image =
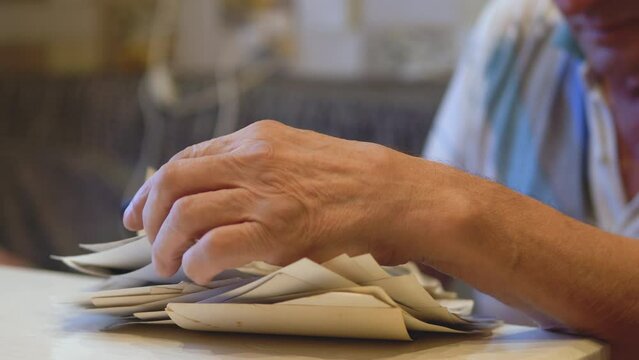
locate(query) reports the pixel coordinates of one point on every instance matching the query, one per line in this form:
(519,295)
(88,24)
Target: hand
(274,193)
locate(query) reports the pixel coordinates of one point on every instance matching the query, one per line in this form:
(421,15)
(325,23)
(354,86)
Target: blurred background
(94,91)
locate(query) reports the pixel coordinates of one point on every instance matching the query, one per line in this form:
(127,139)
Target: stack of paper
(351,297)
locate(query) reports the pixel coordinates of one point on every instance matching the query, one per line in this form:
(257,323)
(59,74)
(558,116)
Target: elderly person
(544,108)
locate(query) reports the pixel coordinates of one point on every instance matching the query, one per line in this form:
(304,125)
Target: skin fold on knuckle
(182,214)
(160,263)
(265,126)
(209,147)
(167,177)
(291,210)
(277,232)
(255,153)
(176,229)
(189,152)
(281,204)
(166,183)
(191,268)
(258,241)
(200,262)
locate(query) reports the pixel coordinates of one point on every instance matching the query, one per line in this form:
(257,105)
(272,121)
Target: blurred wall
(401,39)
(406,39)
(73,36)
(70,143)
(51,35)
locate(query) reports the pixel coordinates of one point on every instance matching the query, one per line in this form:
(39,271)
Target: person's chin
(616,36)
(615,56)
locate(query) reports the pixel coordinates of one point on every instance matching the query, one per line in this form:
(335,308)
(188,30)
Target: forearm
(534,258)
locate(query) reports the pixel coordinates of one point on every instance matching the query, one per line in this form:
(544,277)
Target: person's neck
(623,98)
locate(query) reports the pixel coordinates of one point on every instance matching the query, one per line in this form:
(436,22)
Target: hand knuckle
(191,151)
(257,239)
(159,258)
(183,208)
(190,268)
(283,215)
(194,273)
(215,243)
(262,150)
(267,124)
(240,200)
(277,181)
(256,154)
(167,175)
(264,128)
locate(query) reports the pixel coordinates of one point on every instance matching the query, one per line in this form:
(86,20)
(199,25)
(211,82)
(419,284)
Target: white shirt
(522,110)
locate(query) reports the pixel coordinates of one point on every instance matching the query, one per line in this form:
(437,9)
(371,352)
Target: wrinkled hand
(273,193)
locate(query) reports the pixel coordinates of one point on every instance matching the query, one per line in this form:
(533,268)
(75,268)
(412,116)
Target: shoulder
(509,53)
(510,17)
(528,116)
(514,22)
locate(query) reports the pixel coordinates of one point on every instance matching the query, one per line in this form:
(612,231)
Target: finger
(181,178)
(190,218)
(132,218)
(217,146)
(134,214)
(223,248)
(228,143)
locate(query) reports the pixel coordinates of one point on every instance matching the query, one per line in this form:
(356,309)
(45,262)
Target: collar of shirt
(613,210)
(564,39)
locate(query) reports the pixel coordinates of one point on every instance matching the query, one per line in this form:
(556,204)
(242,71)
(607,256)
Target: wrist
(441,214)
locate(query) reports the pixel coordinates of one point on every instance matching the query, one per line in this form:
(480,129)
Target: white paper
(345,297)
(333,321)
(109,245)
(151,315)
(130,256)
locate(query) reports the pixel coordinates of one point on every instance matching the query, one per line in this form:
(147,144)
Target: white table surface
(33,327)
